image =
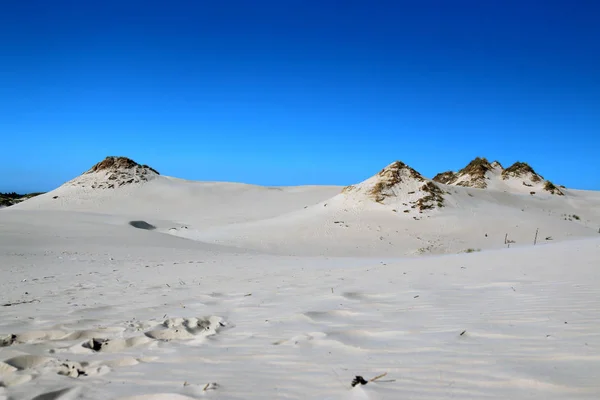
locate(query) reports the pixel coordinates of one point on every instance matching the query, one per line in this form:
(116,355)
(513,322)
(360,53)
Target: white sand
(244,292)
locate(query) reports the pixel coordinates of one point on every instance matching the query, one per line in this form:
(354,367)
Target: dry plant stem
(378,377)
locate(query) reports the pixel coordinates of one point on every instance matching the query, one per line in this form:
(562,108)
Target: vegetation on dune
(12,198)
(471,250)
(433,198)
(389,177)
(550,187)
(112,162)
(114,172)
(476,170)
(478,166)
(445,177)
(519,169)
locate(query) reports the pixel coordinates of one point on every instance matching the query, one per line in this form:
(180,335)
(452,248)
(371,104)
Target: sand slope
(206,203)
(95,318)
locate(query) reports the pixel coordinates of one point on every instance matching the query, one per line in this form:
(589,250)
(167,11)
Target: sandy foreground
(244,306)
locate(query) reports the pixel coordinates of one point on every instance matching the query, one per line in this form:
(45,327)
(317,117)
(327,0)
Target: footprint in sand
(188,328)
(170,329)
(54,335)
(75,369)
(69,368)
(27,361)
(115,345)
(14,380)
(25,367)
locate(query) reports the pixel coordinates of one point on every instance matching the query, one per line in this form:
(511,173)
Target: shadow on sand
(142,225)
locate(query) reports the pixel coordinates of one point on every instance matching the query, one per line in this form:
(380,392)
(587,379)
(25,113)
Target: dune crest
(481,174)
(398,184)
(114,172)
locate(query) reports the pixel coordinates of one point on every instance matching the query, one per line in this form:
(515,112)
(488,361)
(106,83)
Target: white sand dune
(170,289)
(201,203)
(517,178)
(471,219)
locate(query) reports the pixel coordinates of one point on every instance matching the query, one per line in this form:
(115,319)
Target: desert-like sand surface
(170,289)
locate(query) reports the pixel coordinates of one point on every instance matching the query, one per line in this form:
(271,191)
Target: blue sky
(298,92)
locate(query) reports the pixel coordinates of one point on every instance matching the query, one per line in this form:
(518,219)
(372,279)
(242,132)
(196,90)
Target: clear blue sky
(289,92)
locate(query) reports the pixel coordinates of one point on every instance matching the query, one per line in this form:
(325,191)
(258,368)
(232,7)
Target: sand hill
(522,172)
(400,186)
(476,174)
(481,174)
(114,172)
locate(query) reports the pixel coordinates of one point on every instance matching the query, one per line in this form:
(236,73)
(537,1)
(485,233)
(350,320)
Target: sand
(185,290)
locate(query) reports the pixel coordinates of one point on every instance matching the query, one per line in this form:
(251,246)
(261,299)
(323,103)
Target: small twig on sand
(20,302)
(360,380)
(378,377)
(210,386)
